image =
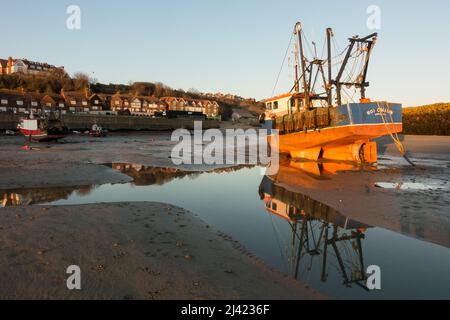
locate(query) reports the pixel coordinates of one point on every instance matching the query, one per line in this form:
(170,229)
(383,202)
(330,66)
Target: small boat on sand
(42,128)
(98,132)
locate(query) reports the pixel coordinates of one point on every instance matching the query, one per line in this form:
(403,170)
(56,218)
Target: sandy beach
(125,250)
(156,251)
(130,251)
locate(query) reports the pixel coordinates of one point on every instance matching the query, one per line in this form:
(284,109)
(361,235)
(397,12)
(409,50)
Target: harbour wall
(9,121)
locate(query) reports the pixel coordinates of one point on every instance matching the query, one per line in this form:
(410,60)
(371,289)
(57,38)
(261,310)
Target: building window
(61,105)
(4,101)
(34,104)
(73,102)
(84,103)
(275,105)
(269,106)
(20,102)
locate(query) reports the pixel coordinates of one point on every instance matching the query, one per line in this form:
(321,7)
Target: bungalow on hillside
(175,104)
(194,106)
(3,66)
(146,106)
(12,101)
(80,102)
(211,109)
(12,66)
(120,103)
(53,102)
(96,102)
(153,106)
(20,102)
(136,106)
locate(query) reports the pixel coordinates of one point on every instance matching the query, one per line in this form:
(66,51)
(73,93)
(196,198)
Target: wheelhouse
(284,104)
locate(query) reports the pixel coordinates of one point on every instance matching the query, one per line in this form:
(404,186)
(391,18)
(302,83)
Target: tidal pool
(301,237)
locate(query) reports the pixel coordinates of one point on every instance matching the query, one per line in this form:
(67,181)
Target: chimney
(10,65)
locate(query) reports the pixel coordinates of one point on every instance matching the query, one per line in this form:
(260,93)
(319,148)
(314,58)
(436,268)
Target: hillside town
(12,66)
(20,102)
(88,102)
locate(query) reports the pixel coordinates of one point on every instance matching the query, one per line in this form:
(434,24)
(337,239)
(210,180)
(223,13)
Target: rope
(282,65)
(394,135)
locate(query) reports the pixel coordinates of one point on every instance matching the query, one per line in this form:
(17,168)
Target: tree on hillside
(143,88)
(80,81)
(161,90)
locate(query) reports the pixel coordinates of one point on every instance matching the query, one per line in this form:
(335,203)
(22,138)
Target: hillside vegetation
(58,79)
(427,120)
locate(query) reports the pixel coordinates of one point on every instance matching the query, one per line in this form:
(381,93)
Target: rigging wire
(277,236)
(282,65)
(394,135)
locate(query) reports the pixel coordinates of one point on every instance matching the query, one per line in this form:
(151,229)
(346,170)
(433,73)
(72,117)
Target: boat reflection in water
(28,197)
(318,231)
(319,170)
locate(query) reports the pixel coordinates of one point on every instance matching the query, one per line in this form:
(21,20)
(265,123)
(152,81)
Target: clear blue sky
(230,46)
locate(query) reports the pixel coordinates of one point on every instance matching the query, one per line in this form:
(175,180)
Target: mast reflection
(318,231)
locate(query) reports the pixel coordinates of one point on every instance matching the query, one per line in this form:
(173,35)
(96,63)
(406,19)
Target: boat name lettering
(380,110)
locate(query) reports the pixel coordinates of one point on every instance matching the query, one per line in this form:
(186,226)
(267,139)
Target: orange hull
(343,143)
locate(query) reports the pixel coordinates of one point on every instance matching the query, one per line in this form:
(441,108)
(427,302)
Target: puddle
(303,238)
(385,162)
(408,186)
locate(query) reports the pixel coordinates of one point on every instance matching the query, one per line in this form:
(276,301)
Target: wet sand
(129,251)
(125,250)
(38,244)
(422,214)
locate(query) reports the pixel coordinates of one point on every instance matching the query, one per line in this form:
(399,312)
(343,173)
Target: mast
(362,84)
(298,31)
(330,75)
(297,80)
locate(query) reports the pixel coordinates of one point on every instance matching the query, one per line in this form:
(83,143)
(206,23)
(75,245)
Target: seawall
(114,123)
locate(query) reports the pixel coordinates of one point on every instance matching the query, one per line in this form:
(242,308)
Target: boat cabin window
(269,106)
(275,105)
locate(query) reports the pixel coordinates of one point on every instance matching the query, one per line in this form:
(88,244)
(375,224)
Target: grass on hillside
(427,120)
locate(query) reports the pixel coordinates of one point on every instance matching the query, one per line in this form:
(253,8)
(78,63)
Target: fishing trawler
(42,128)
(318,119)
